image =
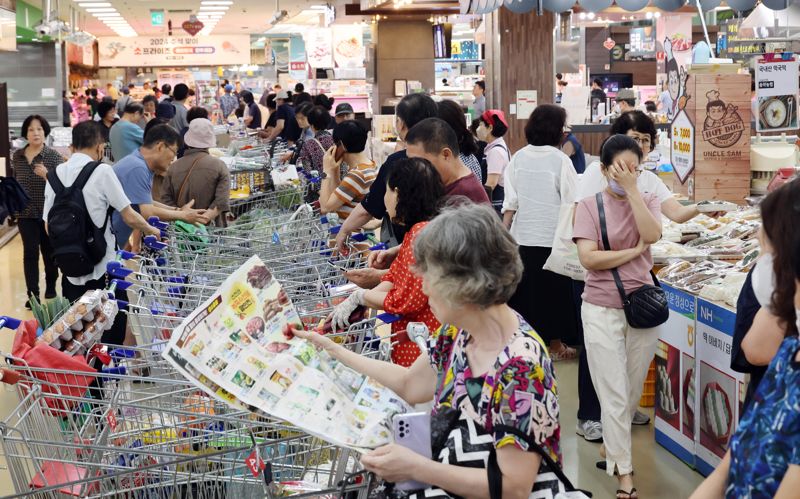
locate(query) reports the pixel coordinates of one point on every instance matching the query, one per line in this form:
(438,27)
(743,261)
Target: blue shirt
(125,137)
(767,440)
(137,182)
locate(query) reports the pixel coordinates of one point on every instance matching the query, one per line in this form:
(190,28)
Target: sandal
(622,494)
(565,353)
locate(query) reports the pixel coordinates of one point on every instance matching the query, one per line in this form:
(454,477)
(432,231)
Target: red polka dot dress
(407,300)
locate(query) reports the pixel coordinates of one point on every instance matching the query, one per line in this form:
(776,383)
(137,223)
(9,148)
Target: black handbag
(645,307)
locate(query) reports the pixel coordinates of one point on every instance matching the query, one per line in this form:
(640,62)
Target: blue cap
(228,87)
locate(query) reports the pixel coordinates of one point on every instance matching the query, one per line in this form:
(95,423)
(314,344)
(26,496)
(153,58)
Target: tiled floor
(658,473)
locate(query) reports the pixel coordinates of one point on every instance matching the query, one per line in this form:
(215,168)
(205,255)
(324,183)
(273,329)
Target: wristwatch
(323,175)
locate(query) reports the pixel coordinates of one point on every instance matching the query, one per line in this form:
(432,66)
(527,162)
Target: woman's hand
(318,340)
(340,317)
(641,247)
(287,157)
(624,175)
(366,278)
(329,162)
(393,463)
(40,171)
(381,259)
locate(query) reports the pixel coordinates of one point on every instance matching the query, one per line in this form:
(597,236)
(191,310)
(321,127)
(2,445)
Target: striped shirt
(353,187)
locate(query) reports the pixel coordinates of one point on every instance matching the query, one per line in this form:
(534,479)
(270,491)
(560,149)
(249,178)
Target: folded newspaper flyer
(233,347)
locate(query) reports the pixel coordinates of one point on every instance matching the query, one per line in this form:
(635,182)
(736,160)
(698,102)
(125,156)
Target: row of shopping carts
(136,428)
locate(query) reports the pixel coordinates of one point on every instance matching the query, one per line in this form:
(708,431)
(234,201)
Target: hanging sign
(319,47)
(192,26)
(682,150)
(143,51)
(776,94)
(609,44)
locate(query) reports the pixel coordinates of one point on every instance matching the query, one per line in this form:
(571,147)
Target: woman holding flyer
(414,191)
(470,267)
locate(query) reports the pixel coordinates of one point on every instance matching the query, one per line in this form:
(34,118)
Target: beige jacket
(208,182)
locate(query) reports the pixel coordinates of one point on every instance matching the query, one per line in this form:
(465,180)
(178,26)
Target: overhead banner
(776,95)
(319,47)
(348,46)
(174,50)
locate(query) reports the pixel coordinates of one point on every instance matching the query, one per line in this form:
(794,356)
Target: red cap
(487,116)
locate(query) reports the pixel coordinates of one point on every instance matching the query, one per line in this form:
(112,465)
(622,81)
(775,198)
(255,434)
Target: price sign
(682,150)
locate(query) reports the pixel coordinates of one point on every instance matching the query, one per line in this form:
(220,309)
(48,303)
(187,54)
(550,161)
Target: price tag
(255,463)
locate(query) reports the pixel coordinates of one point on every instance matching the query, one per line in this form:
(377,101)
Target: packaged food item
(716,206)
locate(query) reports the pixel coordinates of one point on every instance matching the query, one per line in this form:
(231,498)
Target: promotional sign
(682,150)
(776,95)
(643,42)
(319,47)
(527,100)
(175,77)
(192,26)
(674,54)
(187,50)
(297,58)
(720,390)
(348,46)
(675,409)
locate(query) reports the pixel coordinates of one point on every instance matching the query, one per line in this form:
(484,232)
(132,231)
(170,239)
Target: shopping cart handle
(8,322)
(335,230)
(358,237)
(323,219)
(388,318)
(158,224)
(181,279)
(122,353)
(154,244)
(378,247)
(123,285)
(161,261)
(122,304)
(117,270)
(126,255)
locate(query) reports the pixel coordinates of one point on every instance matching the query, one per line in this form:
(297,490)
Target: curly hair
(637,121)
(420,190)
(545,126)
(780,213)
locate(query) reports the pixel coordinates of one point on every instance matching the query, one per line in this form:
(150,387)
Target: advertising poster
(319,48)
(674,54)
(527,100)
(348,46)
(674,410)
(213,50)
(719,395)
(234,348)
(682,150)
(776,95)
(297,58)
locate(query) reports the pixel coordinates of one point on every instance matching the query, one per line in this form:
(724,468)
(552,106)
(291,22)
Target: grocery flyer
(234,348)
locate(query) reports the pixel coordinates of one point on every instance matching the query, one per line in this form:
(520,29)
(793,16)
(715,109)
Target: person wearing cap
(344,112)
(492,127)
(286,126)
(165,111)
(199,176)
(343,194)
(626,100)
(126,136)
(227,102)
(136,171)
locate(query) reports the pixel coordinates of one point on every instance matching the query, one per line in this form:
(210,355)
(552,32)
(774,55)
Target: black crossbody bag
(645,307)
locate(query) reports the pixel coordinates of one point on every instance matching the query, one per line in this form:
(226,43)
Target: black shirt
(291,130)
(255,112)
(373,202)
(747,307)
(67,111)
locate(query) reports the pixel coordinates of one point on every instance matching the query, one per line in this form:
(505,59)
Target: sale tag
(255,463)
(112,420)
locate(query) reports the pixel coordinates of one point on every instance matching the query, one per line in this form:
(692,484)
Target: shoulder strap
(189,174)
(607,246)
(85,174)
(501,146)
(54,181)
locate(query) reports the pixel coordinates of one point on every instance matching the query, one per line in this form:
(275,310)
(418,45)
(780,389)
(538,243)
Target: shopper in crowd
(82,109)
(146,87)
(93,101)
(411,109)
(312,150)
(66,110)
(762,460)
(493,126)
(111,91)
(469,267)
(538,180)
(126,136)
(166,93)
(286,126)
(626,100)
(479,92)
(562,84)
(650,107)
(344,112)
(108,117)
(619,355)
(101,192)
(326,102)
(30,165)
(300,95)
(413,197)
(252,113)
(165,111)
(665,102)
(237,89)
(473,128)
(451,112)
(191,101)
(572,147)
(342,194)
(136,171)
(123,100)
(150,105)
(198,176)
(228,103)
(180,94)
(272,120)
(193,114)
(597,95)
(301,113)
(158,94)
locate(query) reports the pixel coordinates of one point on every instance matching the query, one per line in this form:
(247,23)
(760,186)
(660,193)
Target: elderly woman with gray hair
(488,373)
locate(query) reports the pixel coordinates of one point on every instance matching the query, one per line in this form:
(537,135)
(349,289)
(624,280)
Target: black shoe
(49,294)
(28,304)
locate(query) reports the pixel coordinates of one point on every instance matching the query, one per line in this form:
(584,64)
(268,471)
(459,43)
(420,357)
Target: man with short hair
(136,172)
(125,135)
(479,92)
(101,192)
(124,100)
(166,93)
(286,126)
(344,112)
(228,104)
(626,99)
(179,95)
(343,194)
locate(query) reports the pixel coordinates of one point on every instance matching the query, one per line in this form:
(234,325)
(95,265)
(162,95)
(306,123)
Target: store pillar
(404,52)
(519,56)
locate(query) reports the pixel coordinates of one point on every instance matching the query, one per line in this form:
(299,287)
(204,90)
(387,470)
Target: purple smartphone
(413,431)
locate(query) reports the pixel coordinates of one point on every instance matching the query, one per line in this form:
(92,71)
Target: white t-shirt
(101,191)
(593,181)
(538,180)
(497,158)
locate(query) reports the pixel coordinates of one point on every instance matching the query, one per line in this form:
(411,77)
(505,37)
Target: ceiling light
(319,7)
(101,9)
(216,2)
(95,4)
(204,8)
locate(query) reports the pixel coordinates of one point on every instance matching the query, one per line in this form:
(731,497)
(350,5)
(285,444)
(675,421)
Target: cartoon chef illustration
(676,79)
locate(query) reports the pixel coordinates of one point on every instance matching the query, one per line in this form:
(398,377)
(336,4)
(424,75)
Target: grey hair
(469,256)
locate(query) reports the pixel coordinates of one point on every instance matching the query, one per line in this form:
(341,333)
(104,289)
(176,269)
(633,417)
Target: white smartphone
(413,431)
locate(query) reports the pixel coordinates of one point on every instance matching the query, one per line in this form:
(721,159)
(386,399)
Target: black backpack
(78,244)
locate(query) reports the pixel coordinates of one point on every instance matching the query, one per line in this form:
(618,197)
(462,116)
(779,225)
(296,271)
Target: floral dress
(519,392)
(767,440)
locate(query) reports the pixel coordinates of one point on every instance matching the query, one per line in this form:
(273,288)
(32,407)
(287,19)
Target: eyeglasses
(173,151)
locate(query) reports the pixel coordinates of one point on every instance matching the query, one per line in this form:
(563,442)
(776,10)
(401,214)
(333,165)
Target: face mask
(763,280)
(616,188)
(616,109)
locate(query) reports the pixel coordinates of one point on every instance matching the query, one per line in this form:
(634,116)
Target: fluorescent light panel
(99,10)
(97,4)
(216,2)
(108,15)
(203,8)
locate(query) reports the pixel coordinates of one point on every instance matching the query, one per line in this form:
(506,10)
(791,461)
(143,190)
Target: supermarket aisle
(658,473)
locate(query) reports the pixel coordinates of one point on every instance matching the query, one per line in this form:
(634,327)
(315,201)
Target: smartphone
(413,431)
(339,154)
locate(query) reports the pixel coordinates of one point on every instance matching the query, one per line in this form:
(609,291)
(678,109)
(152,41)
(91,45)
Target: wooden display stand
(718,107)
